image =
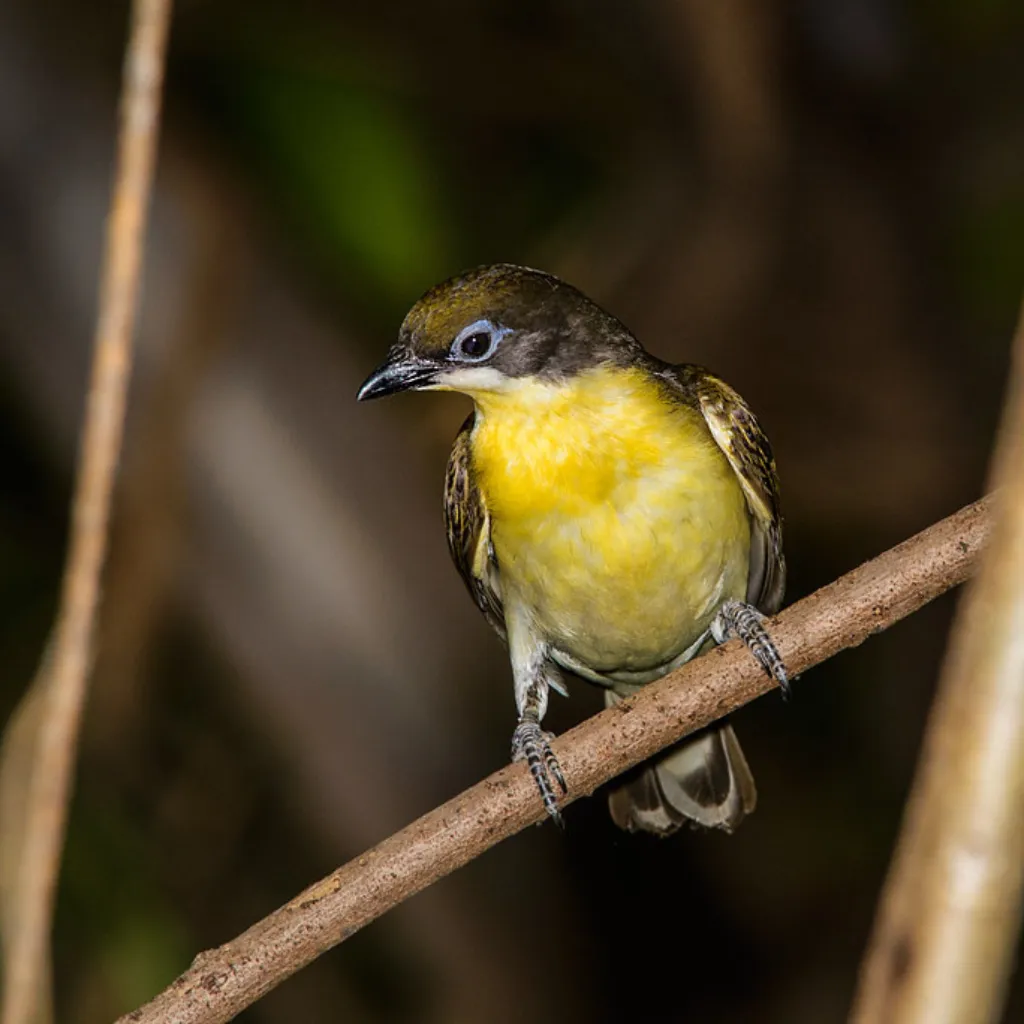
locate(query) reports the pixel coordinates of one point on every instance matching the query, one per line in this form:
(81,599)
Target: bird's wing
(468,526)
(737,432)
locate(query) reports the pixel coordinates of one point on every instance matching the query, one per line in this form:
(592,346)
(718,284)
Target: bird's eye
(476,342)
(476,346)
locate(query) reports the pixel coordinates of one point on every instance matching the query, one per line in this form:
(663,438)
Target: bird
(612,515)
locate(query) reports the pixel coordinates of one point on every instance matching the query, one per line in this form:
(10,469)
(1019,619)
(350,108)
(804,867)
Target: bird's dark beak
(401,371)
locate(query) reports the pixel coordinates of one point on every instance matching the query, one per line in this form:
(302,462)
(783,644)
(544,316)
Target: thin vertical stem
(62,680)
(950,913)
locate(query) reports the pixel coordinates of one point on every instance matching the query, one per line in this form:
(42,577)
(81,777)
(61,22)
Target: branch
(946,932)
(57,696)
(222,982)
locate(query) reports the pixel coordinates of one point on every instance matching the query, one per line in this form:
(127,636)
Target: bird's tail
(704,779)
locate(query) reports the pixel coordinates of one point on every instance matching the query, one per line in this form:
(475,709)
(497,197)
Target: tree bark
(222,982)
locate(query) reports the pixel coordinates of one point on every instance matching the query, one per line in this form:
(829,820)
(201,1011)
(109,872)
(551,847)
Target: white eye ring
(467,346)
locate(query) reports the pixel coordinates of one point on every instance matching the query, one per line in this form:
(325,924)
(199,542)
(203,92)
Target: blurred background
(823,201)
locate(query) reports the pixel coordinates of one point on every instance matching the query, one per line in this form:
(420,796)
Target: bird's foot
(531,744)
(742,620)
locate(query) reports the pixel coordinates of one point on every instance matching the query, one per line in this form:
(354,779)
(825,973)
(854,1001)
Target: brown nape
(555,330)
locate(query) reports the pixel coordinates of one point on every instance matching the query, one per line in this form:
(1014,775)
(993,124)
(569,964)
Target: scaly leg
(531,744)
(742,620)
(533,676)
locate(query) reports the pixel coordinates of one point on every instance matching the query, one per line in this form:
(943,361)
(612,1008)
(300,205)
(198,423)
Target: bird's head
(493,327)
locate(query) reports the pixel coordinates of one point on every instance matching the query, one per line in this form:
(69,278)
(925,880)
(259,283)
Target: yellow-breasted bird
(612,516)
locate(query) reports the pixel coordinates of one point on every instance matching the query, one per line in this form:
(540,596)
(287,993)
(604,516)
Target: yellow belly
(615,518)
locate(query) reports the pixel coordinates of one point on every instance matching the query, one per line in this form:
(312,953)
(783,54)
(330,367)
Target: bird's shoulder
(467,525)
(745,444)
(735,429)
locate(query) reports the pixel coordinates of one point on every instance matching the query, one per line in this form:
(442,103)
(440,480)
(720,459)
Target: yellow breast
(614,516)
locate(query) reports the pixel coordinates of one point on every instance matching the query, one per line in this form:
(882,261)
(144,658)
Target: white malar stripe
(474,378)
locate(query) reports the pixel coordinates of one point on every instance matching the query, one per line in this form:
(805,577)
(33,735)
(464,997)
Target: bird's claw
(744,621)
(531,744)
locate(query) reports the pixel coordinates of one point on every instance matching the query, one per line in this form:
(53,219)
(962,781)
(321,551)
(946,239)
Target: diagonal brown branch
(222,982)
(58,693)
(947,926)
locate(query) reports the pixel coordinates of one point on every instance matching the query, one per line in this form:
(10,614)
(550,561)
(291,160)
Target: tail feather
(704,779)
